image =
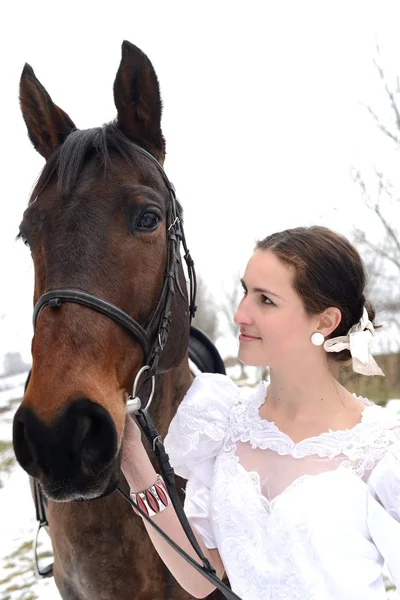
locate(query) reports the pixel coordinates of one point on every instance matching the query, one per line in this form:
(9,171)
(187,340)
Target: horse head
(102,222)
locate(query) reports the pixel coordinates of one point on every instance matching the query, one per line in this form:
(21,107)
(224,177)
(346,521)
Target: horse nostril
(95,437)
(23,446)
(94,449)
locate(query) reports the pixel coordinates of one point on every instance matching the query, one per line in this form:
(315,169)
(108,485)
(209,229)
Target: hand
(135,463)
(132,435)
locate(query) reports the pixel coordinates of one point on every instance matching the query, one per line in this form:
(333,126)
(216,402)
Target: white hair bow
(357,341)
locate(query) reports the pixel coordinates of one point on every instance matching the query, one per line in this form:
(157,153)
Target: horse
(110,296)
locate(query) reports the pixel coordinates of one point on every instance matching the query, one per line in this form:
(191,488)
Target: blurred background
(275,114)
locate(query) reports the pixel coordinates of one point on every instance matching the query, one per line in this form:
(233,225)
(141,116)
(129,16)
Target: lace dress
(313,520)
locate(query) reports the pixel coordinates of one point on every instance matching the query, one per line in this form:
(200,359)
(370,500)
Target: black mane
(66,162)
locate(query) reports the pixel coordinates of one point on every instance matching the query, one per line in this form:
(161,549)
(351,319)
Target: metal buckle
(48,570)
(173,223)
(134,403)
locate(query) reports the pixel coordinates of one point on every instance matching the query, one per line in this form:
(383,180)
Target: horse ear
(138,101)
(47,124)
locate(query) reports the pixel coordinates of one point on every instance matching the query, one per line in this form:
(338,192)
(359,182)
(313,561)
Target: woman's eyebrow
(261,290)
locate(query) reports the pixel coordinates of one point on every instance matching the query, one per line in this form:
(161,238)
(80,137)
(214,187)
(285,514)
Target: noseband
(153,336)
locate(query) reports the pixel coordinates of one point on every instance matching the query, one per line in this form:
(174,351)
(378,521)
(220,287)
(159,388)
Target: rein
(152,338)
(206,569)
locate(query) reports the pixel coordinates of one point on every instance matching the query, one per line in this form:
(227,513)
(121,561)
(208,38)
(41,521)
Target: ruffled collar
(249,426)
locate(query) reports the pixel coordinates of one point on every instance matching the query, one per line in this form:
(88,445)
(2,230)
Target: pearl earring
(317,339)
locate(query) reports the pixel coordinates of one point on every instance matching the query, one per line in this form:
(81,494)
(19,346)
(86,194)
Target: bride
(293,489)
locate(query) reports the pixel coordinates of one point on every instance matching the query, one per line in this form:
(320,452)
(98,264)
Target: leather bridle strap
(55,298)
(154,335)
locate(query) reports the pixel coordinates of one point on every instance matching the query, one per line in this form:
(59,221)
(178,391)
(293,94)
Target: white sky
(263,115)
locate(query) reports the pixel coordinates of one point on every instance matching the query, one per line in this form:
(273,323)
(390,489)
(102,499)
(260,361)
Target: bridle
(152,338)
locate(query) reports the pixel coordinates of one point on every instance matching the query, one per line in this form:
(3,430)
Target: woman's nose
(242,316)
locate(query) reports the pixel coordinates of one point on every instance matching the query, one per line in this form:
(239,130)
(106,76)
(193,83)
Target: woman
(294,489)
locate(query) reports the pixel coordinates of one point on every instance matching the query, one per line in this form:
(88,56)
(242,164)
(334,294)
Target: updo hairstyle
(328,272)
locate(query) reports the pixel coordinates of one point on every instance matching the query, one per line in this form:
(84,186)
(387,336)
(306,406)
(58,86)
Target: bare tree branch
(384,184)
(381,252)
(383,127)
(389,93)
(389,230)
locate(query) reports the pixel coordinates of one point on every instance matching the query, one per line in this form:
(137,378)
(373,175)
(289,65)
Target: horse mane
(67,162)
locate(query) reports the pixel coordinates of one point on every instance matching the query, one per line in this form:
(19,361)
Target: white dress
(313,520)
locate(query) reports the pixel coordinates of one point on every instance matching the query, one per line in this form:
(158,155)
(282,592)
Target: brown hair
(328,272)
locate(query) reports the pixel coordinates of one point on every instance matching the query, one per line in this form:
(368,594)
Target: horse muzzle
(75,457)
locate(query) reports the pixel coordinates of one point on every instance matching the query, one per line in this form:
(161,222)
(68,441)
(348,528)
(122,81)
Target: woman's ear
(329,320)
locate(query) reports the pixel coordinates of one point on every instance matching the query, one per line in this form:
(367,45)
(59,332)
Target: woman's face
(274,328)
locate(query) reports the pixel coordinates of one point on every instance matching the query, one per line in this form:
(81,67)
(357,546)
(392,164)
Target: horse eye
(148,220)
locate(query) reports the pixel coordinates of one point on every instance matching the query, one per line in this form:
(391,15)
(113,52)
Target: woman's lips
(247,338)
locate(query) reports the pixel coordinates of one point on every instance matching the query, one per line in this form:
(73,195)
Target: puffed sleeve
(195,438)
(383,507)
(384,481)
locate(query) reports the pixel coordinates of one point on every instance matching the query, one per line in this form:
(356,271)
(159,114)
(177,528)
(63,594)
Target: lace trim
(371,436)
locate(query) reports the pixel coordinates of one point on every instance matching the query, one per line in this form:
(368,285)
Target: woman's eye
(266,300)
(149,220)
